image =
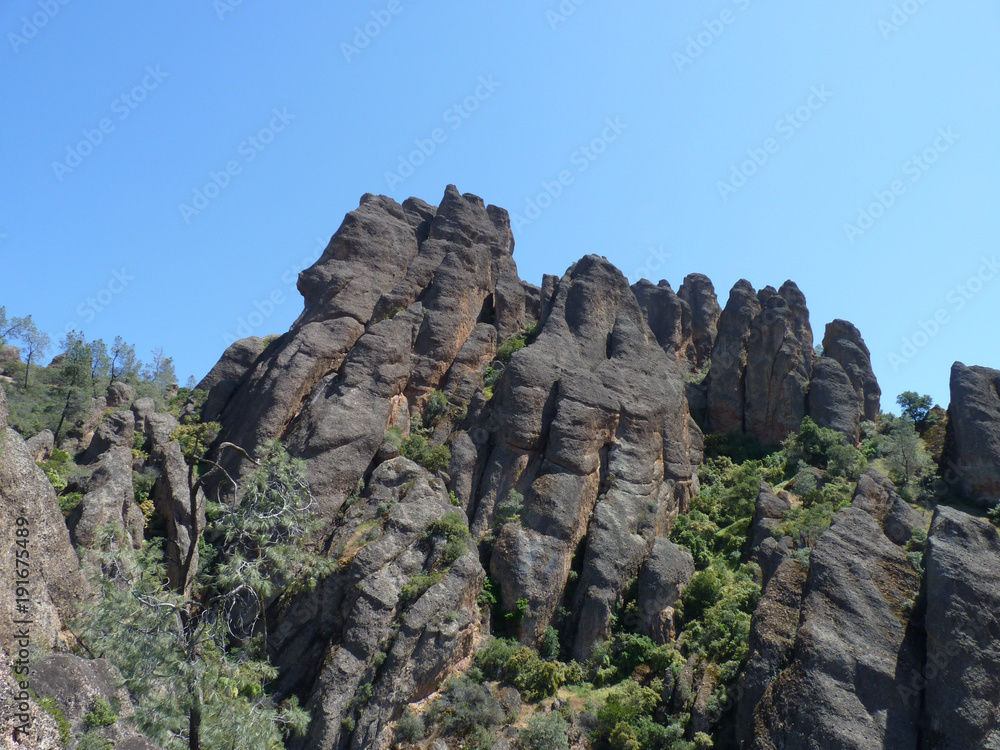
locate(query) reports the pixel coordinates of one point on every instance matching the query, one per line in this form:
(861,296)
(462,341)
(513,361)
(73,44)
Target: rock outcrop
(843,343)
(854,644)
(972,446)
(699,294)
(961,676)
(55,587)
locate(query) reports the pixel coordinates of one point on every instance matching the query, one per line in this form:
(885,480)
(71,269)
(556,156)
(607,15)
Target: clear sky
(168,168)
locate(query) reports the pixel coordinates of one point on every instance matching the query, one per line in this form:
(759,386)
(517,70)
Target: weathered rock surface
(972,446)
(27,501)
(833,401)
(115,431)
(120,395)
(779,365)
(726,390)
(962,673)
(22,723)
(852,647)
(41,446)
(75,684)
(842,342)
(763,549)
(377,605)
(662,579)
(172,500)
(772,639)
(225,377)
(699,294)
(109,498)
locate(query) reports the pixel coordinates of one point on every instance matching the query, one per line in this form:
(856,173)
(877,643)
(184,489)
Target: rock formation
(972,446)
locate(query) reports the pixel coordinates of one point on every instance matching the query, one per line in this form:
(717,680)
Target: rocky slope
(574,416)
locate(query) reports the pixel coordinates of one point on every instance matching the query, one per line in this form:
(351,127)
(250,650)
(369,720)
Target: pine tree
(193,660)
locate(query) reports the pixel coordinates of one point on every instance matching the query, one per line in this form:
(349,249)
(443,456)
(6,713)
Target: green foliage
(516,343)
(453,528)
(465,708)
(916,408)
(810,446)
(522,667)
(546,732)
(433,458)
(417,585)
(903,452)
(550,647)
(49,706)
(509,510)
(195,439)
(916,547)
(180,650)
(437,406)
(994,515)
(410,727)
(736,445)
(93,741)
(100,715)
(626,720)
(69,501)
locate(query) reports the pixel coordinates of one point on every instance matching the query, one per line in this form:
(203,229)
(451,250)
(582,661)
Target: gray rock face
(22,723)
(833,402)
(115,431)
(779,365)
(75,684)
(842,341)
(772,638)
(668,317)
(699,294)
(962,672)
(225,377)
(726,392)
(41,446)
(662,579)
(120,395)
(172,500)
(27,501)
(972,446)
(768,514)
(109,498)
(376,605)
(592,427)
(852,646)
(876,495)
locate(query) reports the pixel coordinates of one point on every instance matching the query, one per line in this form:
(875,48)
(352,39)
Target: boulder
(41,446)
(116,431)
(662,579)
(234,363)
(971,457)
(172,500)
(120,395)
(108,498)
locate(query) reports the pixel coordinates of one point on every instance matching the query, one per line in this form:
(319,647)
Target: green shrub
(417,585)
(437,406)
(49,706)
(465,707)
(93,741)
(546,732)
(100,715)
(736,445)
(550,647)
(509,510)
(433,458)
(519,666)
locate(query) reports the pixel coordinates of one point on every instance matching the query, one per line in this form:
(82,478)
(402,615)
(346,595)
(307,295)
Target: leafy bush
(453,528)
(433,458)
(437,406)
(811,445)
(410,727)
(509,510)
(100,715)
(546,732)
(519,666)
(417,585)
(465,707)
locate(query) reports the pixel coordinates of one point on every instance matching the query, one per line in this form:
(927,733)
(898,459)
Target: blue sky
(850,146)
